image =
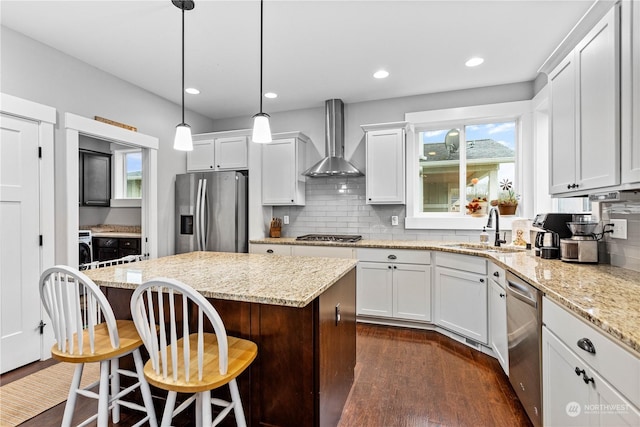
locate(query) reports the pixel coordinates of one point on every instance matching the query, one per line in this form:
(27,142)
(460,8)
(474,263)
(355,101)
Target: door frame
(45,116)
(77,125)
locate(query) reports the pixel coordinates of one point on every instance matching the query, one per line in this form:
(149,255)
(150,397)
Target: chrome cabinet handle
(269,251)
(587,345)
(496,274)
(392,257)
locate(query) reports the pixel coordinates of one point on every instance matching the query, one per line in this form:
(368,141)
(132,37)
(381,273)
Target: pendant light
(261,127)
(183,141)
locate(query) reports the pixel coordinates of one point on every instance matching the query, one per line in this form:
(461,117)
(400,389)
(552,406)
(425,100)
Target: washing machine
(85,254)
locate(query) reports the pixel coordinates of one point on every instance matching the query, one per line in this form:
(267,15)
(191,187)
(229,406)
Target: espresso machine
(548,242)
(582,246)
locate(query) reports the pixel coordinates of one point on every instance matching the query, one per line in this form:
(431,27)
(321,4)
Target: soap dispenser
(484,236)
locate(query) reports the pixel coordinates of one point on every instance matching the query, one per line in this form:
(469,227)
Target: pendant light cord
(183,64)
(261,7)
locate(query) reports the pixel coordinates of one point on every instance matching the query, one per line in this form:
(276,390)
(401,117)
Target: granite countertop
(115,231)
(608,297)
(266,279)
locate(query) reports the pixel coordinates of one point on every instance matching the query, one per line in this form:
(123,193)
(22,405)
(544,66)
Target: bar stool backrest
(152,317)
(74,304)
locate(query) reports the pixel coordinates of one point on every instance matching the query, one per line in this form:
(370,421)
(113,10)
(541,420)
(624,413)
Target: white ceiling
(313,49)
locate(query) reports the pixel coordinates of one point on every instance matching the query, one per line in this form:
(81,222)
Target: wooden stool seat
(241,354)
(129,341)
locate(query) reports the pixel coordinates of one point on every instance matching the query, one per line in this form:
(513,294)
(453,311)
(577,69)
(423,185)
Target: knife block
(274,231)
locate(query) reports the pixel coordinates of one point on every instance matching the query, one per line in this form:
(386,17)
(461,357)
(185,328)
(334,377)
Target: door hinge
(39,152)
(41,240)
(41,326)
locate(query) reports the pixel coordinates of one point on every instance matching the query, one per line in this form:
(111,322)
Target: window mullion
(462,169)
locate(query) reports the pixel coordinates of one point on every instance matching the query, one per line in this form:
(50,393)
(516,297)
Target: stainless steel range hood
(334,163)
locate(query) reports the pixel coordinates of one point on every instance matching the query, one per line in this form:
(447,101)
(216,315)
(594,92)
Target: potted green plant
(508,199)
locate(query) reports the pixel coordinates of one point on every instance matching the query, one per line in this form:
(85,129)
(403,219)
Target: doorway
(26,226)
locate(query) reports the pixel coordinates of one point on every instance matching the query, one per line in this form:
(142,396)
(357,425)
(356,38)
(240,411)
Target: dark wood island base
(306,356)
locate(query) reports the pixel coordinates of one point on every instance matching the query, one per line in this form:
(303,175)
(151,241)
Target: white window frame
(120,179)
(519,111)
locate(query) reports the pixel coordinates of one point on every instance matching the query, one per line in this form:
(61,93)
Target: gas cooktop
(339,238)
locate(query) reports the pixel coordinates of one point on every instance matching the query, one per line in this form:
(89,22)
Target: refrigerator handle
(197,221)
(203,216)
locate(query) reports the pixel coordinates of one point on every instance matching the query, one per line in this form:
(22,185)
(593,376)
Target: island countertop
(265,279)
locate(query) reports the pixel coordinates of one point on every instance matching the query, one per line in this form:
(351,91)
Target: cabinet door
(412,292)
(597,62)
(498,324)
(231,153)
(569,400)
(374,289)
(631,93)
(96,179)
(202,156)
(279,173)
(562,149)
(385,166)
(565,393)
(461,303)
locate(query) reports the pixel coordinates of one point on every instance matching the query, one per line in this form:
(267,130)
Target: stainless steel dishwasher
(524,330)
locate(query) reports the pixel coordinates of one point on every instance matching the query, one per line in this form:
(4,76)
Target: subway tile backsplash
(336,205)
(621,252)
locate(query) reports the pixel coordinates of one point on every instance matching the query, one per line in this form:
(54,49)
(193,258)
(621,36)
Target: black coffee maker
(547,243)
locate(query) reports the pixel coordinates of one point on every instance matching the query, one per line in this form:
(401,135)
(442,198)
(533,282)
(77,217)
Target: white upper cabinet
(282,166)
(630,47)
(219,151)
(385,159)
(585,112)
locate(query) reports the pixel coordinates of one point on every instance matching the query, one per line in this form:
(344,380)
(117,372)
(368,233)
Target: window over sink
(127,176)
(460,156)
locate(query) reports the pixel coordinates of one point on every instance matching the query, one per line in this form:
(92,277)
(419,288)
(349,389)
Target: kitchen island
(300,311)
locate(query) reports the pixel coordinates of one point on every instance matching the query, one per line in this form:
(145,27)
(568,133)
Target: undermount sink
(484,248)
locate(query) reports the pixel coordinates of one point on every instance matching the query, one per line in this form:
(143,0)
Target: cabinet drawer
(403,256)
(105,242)
(617,365)
(498,275)
(270,249)
(469,263)
(322,251)
(129,243)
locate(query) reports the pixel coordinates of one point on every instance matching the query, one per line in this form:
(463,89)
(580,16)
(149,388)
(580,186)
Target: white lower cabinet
(587,379)
(498,324)
(575,395)
(391,287)
(461,296)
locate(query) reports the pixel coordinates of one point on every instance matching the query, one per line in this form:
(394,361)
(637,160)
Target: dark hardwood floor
(403,378)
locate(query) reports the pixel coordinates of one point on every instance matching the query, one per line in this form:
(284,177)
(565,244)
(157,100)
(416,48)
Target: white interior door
(19,245)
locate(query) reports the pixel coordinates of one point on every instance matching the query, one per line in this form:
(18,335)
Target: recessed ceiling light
(192,90)
(270,95)
(381,74)
(474,62)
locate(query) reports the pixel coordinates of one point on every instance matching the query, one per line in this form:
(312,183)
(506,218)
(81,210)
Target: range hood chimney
(334,163)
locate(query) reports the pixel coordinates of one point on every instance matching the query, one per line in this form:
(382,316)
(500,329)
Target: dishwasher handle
(522,293)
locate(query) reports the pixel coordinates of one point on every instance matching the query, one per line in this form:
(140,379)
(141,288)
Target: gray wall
(36,72)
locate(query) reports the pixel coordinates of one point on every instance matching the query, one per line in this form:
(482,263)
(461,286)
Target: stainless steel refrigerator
(211,212)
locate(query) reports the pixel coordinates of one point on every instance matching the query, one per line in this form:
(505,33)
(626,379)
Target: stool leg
(115,389)
(205,404)
(167,415)
(73,394)
(199,410)
(103,400)
(238,411)
(144,389)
